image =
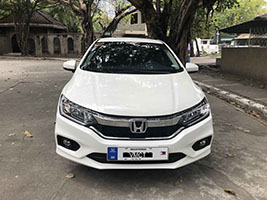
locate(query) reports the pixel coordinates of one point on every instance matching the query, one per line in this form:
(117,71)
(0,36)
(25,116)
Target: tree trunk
(198,52)
(88,33)
(22,30)
(23,12)
(180,36)
(171,24)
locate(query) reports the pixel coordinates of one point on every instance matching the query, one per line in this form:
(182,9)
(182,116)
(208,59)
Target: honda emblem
(138,125)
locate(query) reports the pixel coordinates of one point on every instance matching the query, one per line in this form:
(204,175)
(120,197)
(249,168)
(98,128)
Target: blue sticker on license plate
(112,153)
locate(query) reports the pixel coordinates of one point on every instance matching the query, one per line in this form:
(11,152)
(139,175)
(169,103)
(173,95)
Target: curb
(245,103)
(37,58)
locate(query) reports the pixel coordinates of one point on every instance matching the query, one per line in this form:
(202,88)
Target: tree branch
(114,23)
(158,6)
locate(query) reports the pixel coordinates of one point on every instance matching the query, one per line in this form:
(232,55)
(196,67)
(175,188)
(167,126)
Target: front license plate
(136,153)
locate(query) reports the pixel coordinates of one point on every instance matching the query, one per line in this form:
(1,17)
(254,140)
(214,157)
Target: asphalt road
(31,170)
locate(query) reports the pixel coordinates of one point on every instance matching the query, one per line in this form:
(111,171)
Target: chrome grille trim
(124,122)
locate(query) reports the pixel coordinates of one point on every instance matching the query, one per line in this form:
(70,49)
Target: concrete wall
(250,62)
(5,45)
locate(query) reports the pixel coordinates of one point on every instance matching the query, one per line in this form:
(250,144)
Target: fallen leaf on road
(28,134)
(11,89)
(11,134)
(229,191)
(228,124)
(240,128)
(230,155)
(262,86)
(257,115)
(70,175)
(178,181)
(243,129)
(232,102)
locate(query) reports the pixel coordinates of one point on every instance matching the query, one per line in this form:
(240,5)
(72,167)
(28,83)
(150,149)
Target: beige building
(135,26)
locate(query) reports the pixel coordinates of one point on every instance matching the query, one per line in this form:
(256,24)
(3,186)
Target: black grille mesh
(102,158)
(124,132)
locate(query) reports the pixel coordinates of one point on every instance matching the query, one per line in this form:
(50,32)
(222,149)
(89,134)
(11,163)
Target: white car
(131,104)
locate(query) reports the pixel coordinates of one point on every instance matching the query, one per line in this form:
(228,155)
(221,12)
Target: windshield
(130,57)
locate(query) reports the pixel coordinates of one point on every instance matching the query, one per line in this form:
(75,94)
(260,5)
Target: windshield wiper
(132,71)
(145,71)
(162,71)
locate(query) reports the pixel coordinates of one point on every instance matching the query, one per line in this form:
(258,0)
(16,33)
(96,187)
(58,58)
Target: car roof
(130,39)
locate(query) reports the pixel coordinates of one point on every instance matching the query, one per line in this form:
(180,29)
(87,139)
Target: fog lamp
(200,144)
(66,142)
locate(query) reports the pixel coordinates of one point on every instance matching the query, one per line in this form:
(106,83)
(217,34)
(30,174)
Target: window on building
(15,46)
(57,47)
(44,45)
(134,18)
(70,45)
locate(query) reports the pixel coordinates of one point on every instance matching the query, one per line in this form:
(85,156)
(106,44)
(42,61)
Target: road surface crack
(223,181)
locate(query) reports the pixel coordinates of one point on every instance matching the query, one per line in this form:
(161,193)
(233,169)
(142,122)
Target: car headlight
(196,114)
(75,112)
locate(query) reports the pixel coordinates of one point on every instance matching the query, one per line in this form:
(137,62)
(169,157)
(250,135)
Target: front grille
(124,132)
(102,158)
(158,127)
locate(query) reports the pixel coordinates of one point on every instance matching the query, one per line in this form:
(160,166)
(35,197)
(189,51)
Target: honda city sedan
(131,104)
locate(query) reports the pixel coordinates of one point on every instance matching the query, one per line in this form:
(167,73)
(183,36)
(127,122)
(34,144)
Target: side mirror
(70,65)
(191,67)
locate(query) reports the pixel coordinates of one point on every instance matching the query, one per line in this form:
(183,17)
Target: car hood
(133,94)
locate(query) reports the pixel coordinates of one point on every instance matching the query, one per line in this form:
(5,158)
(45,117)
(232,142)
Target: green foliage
(226,16)
(101,20)
(3,10)
(245,10)
(66,16)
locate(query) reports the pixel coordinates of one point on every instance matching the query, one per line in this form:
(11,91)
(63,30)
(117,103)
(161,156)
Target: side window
(134,18)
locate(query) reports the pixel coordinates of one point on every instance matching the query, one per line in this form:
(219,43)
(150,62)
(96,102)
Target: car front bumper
(90,143)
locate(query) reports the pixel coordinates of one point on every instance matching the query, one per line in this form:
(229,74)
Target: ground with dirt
(30,168)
